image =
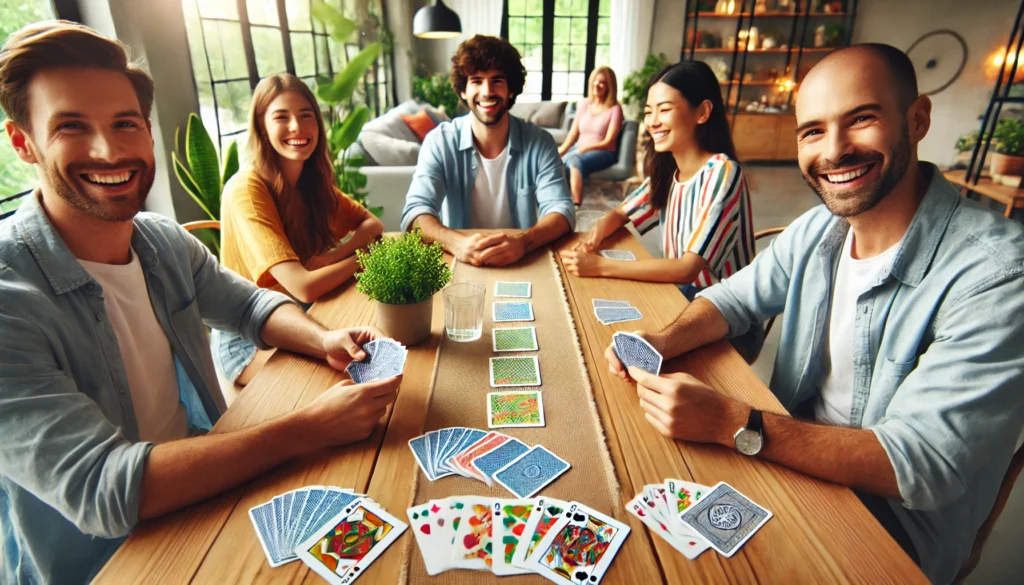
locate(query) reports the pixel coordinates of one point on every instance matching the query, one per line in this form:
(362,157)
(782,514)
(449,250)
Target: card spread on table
(512,311)
(520,290)
(531,472)
(633,350)
(520,408)
(618,254)
(514,371)
(579,548)
(290,518)
(546,512)
(385,358)
(725,518)
(488,463)
(514,338)
(342,549)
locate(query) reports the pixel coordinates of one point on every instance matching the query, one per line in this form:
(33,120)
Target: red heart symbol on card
(518,530)
(425,529)
(435,509)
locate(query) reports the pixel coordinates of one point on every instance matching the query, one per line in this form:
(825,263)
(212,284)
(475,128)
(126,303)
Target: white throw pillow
(388,151)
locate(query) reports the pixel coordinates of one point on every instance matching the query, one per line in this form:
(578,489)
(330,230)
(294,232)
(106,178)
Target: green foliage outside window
(437,91)
(402,270)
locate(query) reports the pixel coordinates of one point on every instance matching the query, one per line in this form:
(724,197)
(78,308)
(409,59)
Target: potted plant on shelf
(1008,143)
(402,275)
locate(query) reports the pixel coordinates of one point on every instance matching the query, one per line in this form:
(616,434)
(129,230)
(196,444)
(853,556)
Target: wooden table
(820,533)
(1011,197)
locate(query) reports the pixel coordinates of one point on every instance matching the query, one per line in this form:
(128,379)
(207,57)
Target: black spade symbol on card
(581,576)
(579,517)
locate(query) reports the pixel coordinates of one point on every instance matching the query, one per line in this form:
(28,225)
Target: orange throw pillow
(420,124)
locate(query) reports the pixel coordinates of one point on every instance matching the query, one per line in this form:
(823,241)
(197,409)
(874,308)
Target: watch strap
(754,423)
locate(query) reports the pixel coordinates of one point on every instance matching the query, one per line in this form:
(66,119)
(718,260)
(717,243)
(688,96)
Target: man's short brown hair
(483,53)
(56,44)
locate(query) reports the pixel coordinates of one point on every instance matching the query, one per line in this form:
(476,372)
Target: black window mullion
(592,19)
(209,69)
(390,84)
(67,10)
(547,48)
(286,38)
(250,52)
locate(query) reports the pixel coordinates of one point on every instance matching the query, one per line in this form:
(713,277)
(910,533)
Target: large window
(235,43)
(561,41)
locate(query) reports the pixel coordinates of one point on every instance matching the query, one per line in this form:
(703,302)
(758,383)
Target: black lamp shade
(436,22)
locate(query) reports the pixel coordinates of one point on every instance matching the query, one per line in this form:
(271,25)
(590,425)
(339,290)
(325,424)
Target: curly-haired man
(489,170)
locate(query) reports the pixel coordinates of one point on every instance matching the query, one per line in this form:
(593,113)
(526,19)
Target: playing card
(385,358)
(531,471)
(262,517)
(469,438)
(472,546)
(618,254)
(680,495)
(333,504)
(725,518)
(514,338)
(509,519)
(342,550)
(579,548)
(520,408)
(461,463)
(514,371)
(438,444)
(428,525)
(512,289)
(546,512)
(418,446)
(609,315)
(633,350)
(282,503)
(490,462)
(602,303)
(512,311)
(655,496)
(690,547)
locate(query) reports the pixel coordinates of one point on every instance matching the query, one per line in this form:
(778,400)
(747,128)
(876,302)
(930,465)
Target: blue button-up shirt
(70,457)
(938,366)
(442,185)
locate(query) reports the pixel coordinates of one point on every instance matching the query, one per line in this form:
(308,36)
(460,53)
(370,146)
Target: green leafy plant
(1008,137)
(403,270)
(201,173)
(437,91)
(966,142)
(636,83)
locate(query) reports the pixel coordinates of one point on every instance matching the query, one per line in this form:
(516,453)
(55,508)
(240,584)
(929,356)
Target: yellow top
(252,233)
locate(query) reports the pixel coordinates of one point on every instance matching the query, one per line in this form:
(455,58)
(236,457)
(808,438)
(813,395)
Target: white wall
(985,29)
(668,29)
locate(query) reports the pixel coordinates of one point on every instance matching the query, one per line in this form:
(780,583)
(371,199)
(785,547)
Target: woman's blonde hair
(307,209)
(612,97)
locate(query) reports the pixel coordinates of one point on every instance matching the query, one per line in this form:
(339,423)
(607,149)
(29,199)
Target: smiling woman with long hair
(591,143)
(282,218)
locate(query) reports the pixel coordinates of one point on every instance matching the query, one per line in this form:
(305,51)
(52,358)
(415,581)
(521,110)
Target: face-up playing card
(350,542)
(512,289)
(633,350)
(490,462)
(514,371)
(514,338)
(680,495)
(517,311)
(531,471)
(428,525)
(472,547)
(602,303)
(618,255)
(385,358)
(579,548)
(690,547)
(546,512)
(515,409)
(655,497)
(507,529)
(726,518)
(609,315)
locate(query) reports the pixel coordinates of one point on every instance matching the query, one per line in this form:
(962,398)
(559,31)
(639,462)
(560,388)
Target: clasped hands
(498,249)
(582,259)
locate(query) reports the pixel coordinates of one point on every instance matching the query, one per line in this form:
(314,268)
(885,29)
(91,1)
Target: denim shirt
(938,366)
(442,185)
(71,461)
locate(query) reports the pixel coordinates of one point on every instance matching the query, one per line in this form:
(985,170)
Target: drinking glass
(464,311)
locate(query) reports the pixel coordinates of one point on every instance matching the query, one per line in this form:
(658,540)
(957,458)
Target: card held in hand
(725,518)
(385,358)
(633,350)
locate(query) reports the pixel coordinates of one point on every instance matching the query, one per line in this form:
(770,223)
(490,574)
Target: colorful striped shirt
(708,215)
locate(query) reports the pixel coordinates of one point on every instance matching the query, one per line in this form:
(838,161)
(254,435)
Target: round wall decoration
(939,58)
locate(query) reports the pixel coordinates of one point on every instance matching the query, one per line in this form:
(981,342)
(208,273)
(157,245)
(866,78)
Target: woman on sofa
(590,144)
(282,218)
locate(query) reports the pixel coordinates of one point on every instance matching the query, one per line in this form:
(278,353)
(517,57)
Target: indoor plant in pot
(402,274)
(1008,143)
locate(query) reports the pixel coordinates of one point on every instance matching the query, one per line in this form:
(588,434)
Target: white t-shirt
(145,351)
(490,208)
(853,278)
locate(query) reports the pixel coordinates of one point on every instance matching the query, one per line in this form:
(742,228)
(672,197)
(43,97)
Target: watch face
(748,442)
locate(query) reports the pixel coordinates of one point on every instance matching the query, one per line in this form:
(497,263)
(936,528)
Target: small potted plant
(402,275)
(1008,143)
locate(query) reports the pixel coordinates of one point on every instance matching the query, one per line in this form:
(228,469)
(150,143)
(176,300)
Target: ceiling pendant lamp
(436,21)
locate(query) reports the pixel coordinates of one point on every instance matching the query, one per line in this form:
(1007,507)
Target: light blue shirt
(938,358)
(442,185)
(70,459)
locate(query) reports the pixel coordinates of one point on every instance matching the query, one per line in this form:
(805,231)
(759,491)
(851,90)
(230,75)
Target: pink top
(593,128)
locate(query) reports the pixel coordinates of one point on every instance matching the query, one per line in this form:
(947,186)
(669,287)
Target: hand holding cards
(633,350)
(385,358)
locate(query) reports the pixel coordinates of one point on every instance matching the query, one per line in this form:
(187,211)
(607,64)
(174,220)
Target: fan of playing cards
(692,517)
(634,351)
(385,358)
(565,542)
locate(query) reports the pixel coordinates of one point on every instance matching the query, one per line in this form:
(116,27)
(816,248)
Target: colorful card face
(514,338)
(512,311)
(518,408)
(579,548)
(520,290)
(691,547)
(618,254)
(490,462)
(514,371)
(680,495)
(509,524)
(726,518)
(546,512)
(472,546)
(346,546)
(529,473)
(428,523)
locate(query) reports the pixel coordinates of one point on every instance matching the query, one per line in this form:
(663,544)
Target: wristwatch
(750,438)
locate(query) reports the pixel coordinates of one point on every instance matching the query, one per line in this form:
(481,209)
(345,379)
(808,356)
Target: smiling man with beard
(901,307)
(107,385)
(489,169)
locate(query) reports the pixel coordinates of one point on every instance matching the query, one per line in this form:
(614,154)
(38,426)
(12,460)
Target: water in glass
(464,311)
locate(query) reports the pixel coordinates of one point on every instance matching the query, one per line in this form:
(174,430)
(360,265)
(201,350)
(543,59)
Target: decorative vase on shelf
(720,7)
(819,36)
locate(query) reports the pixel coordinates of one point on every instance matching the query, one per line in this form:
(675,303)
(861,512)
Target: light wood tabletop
(820,532)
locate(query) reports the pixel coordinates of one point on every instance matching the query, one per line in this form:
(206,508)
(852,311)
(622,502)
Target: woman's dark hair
(696,82)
